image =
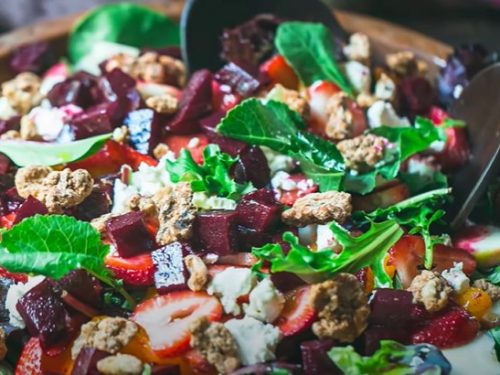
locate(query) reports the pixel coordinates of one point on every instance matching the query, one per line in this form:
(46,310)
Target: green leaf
(369,249)
(276,126)
(420,183)
(495,335)
(308,48)
(24,153)
(124,23)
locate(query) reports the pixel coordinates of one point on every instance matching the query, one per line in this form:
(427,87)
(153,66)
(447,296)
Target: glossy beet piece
(416,96)
(96,204)
(44,314)
(86,362)
(391,307)
(129,235)
(11,201)
(248,238)
(373,335)
(80,89)
(11,124)
(210,122)
(215,231)
(315,360)
(30,207)
(259,211)
(252,167)
(238,79)
(144,129)
(116,84)
(34,57)
(171,273)
(81,285)
(227,145)
(196,102)
(94,121)
(166,370)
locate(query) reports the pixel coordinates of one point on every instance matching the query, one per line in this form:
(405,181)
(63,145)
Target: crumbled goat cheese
(48,122)
(256,341)
(438,146)
(307,234)
(278,162)
(6,110)
(382,113)
(385,88)
(14,294)
(456,278)
(420,167)
(324,237)
(149,179)
(193,142)
(122,194)
(282,181)
(358,75)
(203,201)
(266,302)
(231,284)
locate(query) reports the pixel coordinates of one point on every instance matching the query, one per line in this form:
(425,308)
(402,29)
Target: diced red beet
(145,131)
(11,201)
(196,101)
(227,145)
(215,231)
(210,122)
(248,238)
(259,210)
(373,335)
(171,273)
(166,370)
(315,359)
(93,121)
(80,284)
(12,123)
(239,79)
(80,89)
(116,84)
(129,235)
(33,57)
(252,166)
(416,96)
(4,164)
(391,307)
(30,207)
(286,281)
(44,314)
(96,204)
(86,362)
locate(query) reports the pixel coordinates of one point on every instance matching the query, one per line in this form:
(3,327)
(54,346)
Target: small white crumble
(14,294)
(149,179)
(359,76)
(193,142)
(456,278)
(266,302)
(282,181)
(203,201)
(420,166)
(278,162)
(6,110)
(121,196)
(383,113)
(324,237)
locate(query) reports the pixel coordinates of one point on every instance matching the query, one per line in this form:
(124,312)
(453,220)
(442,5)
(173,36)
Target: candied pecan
(358,48)
(491,289)
(363,152)
(166,104)
(342,308)
(99,223)
(23,92)
(122,61)
(319,208)
(152,67)
(56,189)
(402,63)
(120,364)
(431,290)
(121,134)
(198,272)
(216,344)
(28,129)
(160,150)
(144,204)
(292,99)
(365,100)
(340,119)
(10,135)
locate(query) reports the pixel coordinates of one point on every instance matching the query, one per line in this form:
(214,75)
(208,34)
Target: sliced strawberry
(298,313)
(278,71)
(381,198)
(7,221)
(17,277)
(198,363)
(304,185)
(451,328)
(167,318)
(138,270)
(178,142)
(408,253)
(30,361)
(238,260)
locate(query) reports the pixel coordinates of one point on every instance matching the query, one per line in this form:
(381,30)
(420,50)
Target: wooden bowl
(385,37)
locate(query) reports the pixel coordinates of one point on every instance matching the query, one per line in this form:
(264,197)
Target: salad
(285,214)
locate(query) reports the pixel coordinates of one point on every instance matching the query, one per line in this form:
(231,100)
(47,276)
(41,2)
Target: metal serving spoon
(203,22)
(479,107)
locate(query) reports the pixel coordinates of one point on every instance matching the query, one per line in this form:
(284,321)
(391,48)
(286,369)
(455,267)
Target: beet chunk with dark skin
(94,121)
(81,285)
(315,359)
(215,231)
(171,273)
(129,235)
(86,362)
(30,207)
(252,166)
(391,307)
(259,211)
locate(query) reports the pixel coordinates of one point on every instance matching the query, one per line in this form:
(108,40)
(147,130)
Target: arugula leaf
(53,245)
(124,23)
(492,275)
(369,249)
(495,335)
(274,125)
(419,182)
(308,48)
(417,213)
(24,153)
(213,176)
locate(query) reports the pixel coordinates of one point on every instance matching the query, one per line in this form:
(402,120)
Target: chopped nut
(198,272)
(144,204)
(120,364)
(3,345)
(160,151)
(358,48)
(108,334)
(216,344)
(402,63)
(121,134)
(56,189)
(431,290)
(23,92)
(340,120)
(99,223)
(365,100)
(363,152)
(176,213)
(28,129)
(491,289)
(122,61)
(166,104)
(10,135)
(291,98)
(319,208)
(385,88)
(342,308)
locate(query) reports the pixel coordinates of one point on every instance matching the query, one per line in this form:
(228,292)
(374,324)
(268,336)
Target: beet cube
(196,101)
(129,235)
(30,207)
(248,238)
(373,335)
(145,130)
(210,122)
(171,273)
(12,123)
(33,57)
(166,370)
(96,204)
(416,96)
(11,201)
(259,211)
(238,79)
(86,362)
(80,89)
(96,120)
(81,285)
(391,307)
(44,314)
(252,166)
(116,84)
(315,360)
(215,231)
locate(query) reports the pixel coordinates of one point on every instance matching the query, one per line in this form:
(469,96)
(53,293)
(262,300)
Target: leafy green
(369,249)
(276,126)
(492,275)
(213,176)
(417,213)
(24,153)
(53,245)
(420,183)
(124,23)
(308,48)
(495,335)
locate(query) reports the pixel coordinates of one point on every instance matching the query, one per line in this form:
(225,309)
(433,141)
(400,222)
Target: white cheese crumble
(203,201)
(307,234)
(49,121)
(282,181)
(193,142)
(6,110)
(358,75)
(256,341)
(14,294)
(149,179)
(266,302)
(49,82)
(420,167)
(385,88)
(382,113)
(456,278)
(231,284)
(278,162)
(121,196)
(324,237)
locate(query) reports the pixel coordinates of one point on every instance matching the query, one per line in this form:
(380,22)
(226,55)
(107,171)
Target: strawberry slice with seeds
(166,319)
(451,328)
(195,144)
(303,187)
(138,270)
(278,71)
(298,314)
(30,361)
